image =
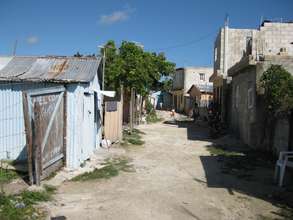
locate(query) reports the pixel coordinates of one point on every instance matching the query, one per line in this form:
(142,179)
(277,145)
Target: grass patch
(222,151)
(111,169)
(20,207)
(134,137)
(152,117)
(240,162)
(7,175)
(33,197)
(135,141)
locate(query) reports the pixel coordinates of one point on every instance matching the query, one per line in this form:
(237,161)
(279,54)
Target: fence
(113,118)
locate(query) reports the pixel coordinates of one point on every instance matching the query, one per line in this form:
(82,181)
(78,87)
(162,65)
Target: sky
(184,30)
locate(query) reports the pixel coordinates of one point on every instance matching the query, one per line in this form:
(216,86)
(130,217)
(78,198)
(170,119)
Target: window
(202,76)
(250,98)
(248,45)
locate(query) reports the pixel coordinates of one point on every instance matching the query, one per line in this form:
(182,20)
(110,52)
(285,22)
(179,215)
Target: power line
(187,43)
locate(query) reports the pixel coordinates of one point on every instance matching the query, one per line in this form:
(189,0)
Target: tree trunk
(131,109)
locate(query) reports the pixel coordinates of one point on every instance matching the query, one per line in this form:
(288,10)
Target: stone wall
(243,119)
(247,105)
(236,47)
(274,36)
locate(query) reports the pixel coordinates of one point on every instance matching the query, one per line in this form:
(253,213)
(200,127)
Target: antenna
(226,19)
(14,48)
(261,20)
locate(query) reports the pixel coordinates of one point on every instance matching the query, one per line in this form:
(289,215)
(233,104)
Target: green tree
(113,71)
(278,97)
(135,68)
(278,85)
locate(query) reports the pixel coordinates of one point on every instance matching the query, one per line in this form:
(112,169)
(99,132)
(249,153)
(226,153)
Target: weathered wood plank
(65,126)
(51,121)
(29,136)
(37,137)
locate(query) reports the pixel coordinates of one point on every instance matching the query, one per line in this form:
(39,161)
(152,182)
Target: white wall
(12,131)
(192,77)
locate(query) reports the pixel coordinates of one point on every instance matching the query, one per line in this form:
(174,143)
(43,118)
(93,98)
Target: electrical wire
(187,43)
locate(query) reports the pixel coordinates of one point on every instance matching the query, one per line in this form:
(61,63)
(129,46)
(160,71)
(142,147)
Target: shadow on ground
(195,131)
(238,168)
(248,172)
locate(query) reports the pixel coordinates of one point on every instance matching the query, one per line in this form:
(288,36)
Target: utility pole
(104,65)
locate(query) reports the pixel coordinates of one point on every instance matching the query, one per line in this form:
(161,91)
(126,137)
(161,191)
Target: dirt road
(175,178)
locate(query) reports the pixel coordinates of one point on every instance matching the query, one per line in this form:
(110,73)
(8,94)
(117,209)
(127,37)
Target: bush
(148,106)
(152,117)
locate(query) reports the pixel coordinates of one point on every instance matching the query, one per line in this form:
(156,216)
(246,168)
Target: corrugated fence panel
(12,130)
(12,133)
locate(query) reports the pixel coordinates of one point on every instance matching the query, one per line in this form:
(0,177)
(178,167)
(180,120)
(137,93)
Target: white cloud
(116,16)
(32,40)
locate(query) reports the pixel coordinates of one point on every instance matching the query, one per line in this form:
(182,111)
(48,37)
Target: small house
(49,111)
(203,96)
(183,79)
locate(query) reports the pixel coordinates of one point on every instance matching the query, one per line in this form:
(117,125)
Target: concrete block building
(183,80)
(231,45)
(271,44)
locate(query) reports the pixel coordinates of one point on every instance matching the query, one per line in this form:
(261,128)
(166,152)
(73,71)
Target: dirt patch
(164,186)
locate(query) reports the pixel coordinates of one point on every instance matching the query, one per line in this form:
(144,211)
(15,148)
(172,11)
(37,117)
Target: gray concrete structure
(231,45)
(246,112)
(183,80)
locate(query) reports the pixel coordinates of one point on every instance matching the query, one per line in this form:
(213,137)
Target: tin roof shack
(49,110)
(246,109)
(203,96)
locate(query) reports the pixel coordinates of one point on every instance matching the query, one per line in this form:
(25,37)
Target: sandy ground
(175,178)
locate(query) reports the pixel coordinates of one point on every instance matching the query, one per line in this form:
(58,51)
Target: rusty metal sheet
(16,67)
(51,69)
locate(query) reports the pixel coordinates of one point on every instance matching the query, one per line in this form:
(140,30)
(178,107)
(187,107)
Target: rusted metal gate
(45,124)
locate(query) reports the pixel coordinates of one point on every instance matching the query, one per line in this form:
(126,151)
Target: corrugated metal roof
(4,61)
(51,69)
(203,87)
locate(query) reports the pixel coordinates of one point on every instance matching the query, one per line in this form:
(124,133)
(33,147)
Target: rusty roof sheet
(51,69)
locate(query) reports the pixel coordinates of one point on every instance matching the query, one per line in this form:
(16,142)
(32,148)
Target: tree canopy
(133,67)
(278,85)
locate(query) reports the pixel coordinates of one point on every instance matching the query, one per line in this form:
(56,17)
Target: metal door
(88,127)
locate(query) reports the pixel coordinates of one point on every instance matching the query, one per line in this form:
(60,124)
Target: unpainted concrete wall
(192,77)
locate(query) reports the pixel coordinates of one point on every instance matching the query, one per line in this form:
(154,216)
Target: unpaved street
(175,178)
